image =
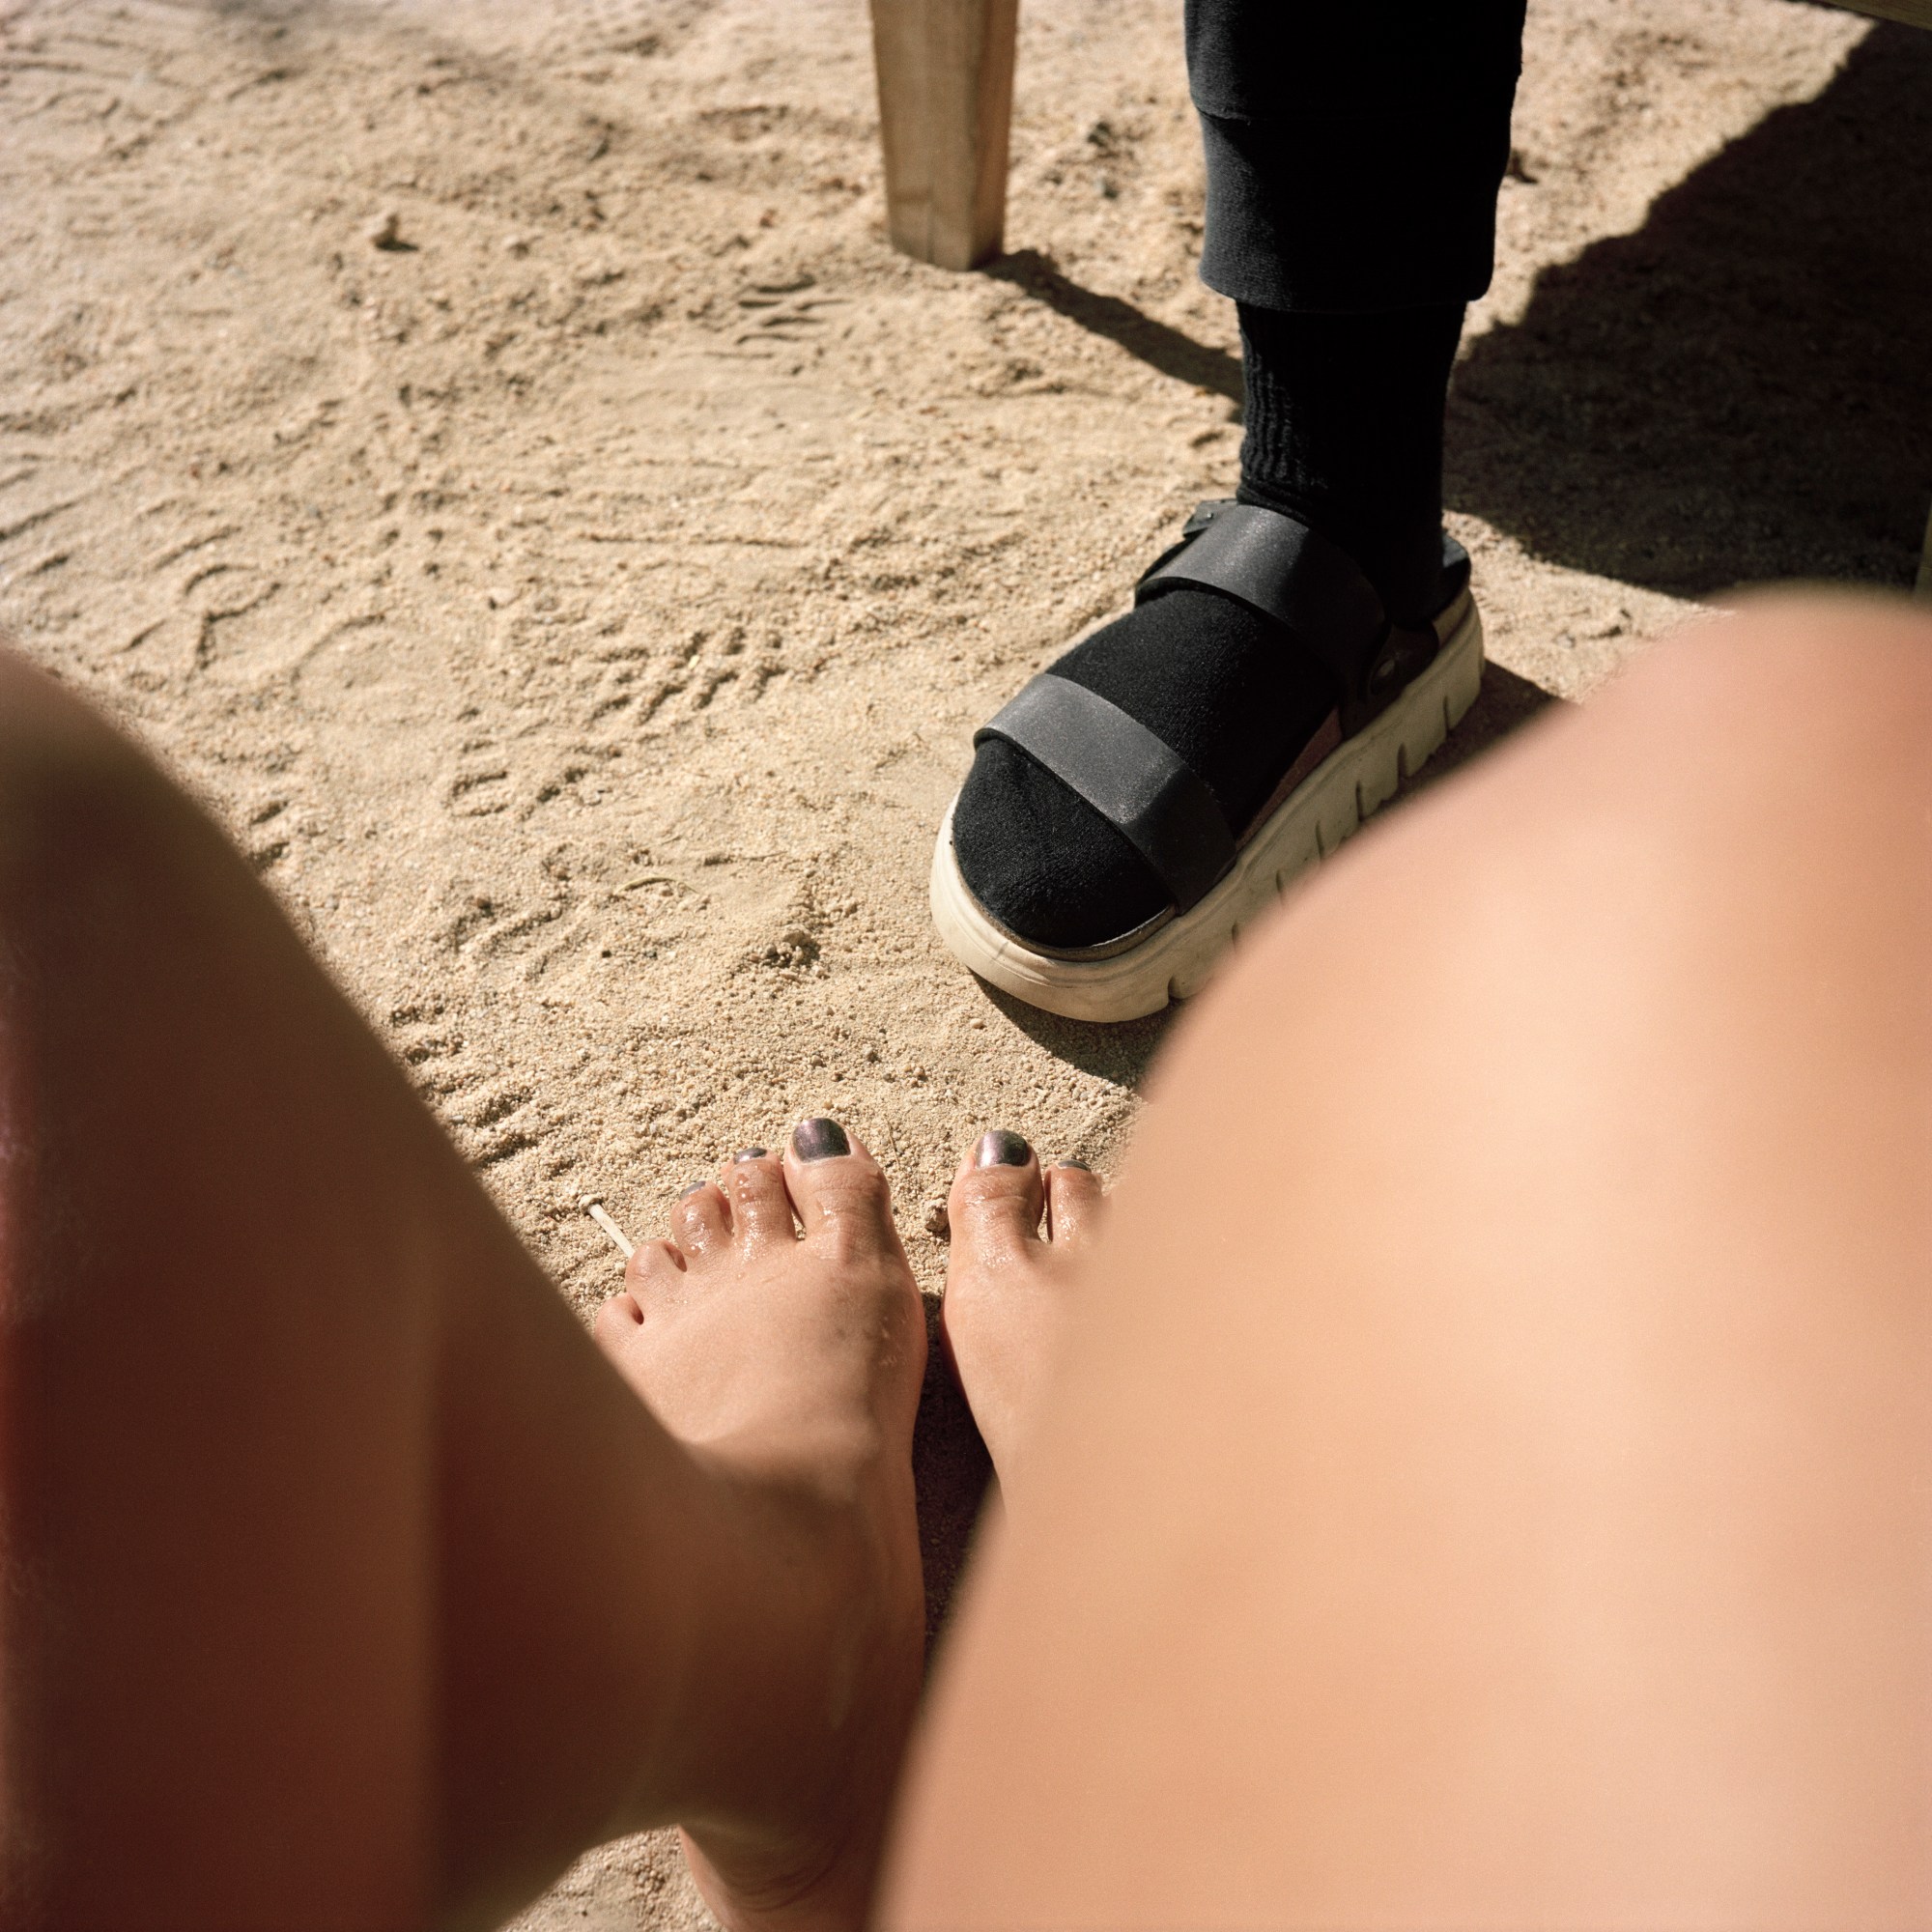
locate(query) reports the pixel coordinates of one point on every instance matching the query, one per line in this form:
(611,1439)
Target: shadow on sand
(1742,390)
(1171,351)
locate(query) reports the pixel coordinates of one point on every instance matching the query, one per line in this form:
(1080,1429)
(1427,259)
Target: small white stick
(623,1240)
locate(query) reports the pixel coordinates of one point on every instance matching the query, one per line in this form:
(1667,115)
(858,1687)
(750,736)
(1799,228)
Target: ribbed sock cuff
(1344,429)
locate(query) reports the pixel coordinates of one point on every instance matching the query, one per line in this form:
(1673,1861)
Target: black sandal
(1403,689)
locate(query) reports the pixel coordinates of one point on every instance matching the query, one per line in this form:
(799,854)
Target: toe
(840,1195)
(996,1200)
(700,1221)
(1075,1205)
(619,1317)
(653,1267)
(755,1185)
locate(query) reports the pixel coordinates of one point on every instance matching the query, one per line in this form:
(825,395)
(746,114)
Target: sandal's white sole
(1173,961)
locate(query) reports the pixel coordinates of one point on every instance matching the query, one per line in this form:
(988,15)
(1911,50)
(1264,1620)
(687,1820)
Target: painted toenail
(682,1192)
(1001,1149)
(747,1154)
(1080,1164)
(819,1139)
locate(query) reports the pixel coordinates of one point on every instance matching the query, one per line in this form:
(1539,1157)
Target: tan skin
(1478,1479)
(1491,1482)
(350,1582)
(735,1277)
(311,1484)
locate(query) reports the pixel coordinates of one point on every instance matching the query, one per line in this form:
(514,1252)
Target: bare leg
(1491,1481)
(346,1582)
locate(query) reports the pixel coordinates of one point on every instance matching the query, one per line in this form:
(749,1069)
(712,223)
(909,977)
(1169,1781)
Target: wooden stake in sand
(625,1245)
(946,101)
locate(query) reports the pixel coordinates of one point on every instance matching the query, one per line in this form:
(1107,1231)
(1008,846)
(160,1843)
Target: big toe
(843,1203)
(996,1202)
(1008,1284)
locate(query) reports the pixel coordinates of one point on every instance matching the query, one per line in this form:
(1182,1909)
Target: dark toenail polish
(682,1192)
(819,1139)
(747,1154)
(1080,1164)
(1001,1149)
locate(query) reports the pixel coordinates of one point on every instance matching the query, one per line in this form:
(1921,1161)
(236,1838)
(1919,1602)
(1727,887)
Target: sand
(489,453)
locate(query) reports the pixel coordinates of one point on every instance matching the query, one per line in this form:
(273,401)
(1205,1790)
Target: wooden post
(946,105)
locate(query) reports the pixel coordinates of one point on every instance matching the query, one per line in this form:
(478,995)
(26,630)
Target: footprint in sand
(240,634)
(774,314)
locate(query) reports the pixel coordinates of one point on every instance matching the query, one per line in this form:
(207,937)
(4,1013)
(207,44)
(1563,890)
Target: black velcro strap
(1160,803)
(1286,572)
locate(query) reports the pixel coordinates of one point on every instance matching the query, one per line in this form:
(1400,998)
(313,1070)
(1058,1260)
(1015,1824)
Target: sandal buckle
(1203,514)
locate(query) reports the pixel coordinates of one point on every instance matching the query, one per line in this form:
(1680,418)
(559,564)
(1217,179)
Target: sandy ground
(580,611)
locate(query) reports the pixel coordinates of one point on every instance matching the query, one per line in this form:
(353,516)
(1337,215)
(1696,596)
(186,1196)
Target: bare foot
(1018,1237)
(791,1366)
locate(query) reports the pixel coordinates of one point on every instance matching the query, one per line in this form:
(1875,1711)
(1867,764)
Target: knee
(1787,734)
(1762,773)
(1791,691)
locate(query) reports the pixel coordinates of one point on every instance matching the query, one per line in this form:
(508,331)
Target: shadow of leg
(1739,391)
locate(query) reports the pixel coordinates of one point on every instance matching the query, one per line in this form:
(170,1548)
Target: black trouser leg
(1354,150)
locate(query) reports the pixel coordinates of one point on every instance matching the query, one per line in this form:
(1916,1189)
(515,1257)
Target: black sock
(1345,431)
(1218,682)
